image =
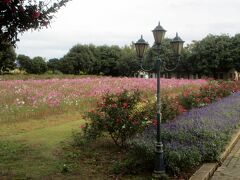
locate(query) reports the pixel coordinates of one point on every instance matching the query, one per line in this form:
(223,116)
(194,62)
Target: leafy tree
(96,62)
(212,54)
(53,64)
(236,51)
(109,57)
(37,65)
(128,63)
(187,62)
(7,58)
(165,55)
(18,16)
(25,62)
(66,65)
(80,58)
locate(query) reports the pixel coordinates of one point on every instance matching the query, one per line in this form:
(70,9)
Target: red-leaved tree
(18,16)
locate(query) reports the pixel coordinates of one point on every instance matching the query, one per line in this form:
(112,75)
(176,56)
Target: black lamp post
(141,45)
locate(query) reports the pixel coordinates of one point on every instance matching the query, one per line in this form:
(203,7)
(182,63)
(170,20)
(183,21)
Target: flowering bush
(213,91)
(170,108)
(116,115)
(17,16)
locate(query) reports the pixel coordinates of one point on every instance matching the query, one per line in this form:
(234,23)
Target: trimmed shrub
(119,115)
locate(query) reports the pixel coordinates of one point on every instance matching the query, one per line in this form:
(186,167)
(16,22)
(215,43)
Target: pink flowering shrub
(213,91)
(116,115)
(170,108)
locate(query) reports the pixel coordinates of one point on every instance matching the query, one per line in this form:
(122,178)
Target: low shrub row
(118,115)
(213,91)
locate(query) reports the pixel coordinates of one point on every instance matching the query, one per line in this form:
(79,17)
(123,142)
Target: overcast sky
(119,22)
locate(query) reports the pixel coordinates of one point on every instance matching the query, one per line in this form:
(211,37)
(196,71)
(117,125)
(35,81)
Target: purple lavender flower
(204,131)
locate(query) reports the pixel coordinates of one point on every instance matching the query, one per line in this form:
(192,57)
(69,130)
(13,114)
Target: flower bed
(196,136)
(192,138)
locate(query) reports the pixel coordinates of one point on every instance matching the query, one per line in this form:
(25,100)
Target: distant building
(142,74)
(232,74)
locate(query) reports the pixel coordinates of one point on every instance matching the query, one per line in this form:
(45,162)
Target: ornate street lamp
(177,46)
(141,45)
(158,34)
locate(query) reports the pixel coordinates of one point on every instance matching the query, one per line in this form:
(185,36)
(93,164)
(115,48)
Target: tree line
(214,53)
(211,55)
(91,59)
(85,59)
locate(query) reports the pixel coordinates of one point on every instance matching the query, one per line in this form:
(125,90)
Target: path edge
(206,171)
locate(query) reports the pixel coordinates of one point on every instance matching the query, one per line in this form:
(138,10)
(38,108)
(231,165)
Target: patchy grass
(32,150)
(97,161)
(10,128)
(24,161)
(41,149)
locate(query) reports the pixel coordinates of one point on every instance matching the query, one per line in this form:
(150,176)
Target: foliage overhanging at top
(18,16)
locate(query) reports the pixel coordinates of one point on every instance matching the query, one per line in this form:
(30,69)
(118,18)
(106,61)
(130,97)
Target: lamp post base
(159,175)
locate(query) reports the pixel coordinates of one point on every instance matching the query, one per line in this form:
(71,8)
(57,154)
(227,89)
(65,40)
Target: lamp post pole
(159,167)
(141,45)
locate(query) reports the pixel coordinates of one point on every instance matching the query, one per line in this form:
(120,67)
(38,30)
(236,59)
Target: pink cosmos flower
(206,100)
(36,14)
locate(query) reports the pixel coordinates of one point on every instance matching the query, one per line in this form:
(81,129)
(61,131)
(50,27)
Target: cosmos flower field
(21,99)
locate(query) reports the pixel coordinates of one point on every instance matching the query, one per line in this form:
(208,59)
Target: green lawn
(30,149)
(41,149)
